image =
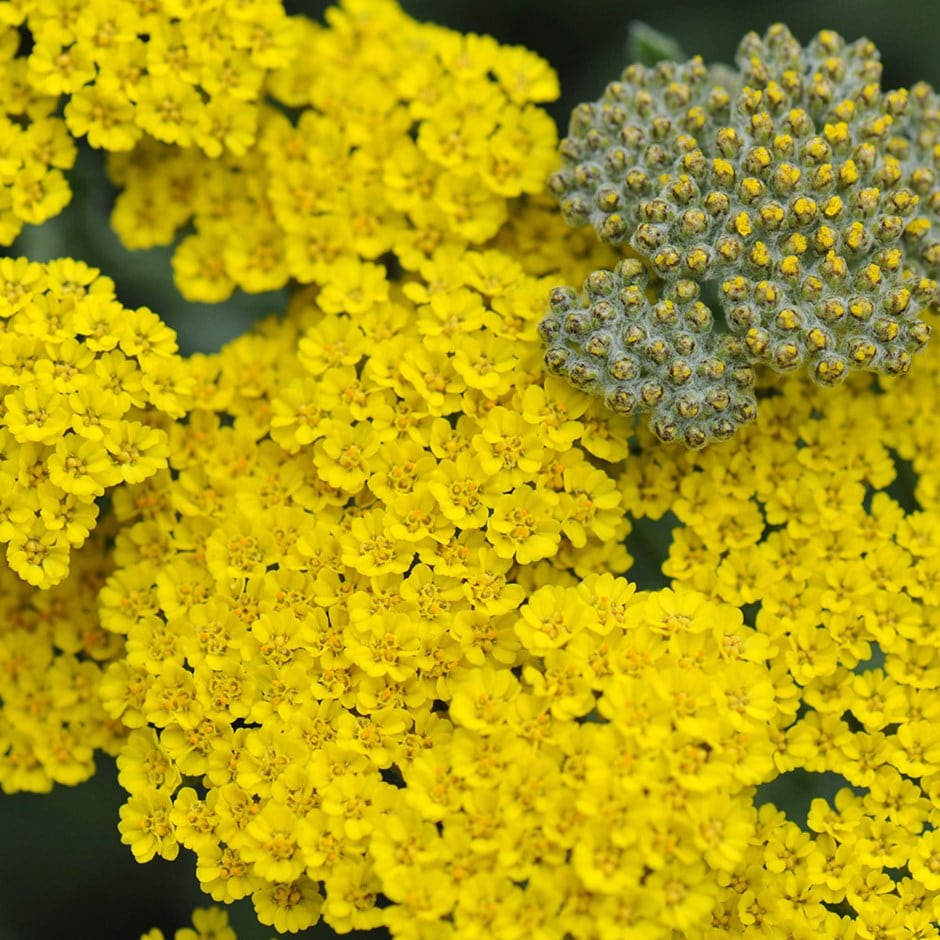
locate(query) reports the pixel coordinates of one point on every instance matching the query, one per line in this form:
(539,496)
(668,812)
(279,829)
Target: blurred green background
(63,872)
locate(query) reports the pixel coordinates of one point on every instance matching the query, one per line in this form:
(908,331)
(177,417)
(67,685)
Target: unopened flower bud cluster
(659,357)
(801,202)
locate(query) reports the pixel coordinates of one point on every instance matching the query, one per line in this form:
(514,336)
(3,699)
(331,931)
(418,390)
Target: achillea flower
(364,643)
(182,76)
(795,198)
(209,923)
(82,382)
(424,152)
(52,653)
(35,145)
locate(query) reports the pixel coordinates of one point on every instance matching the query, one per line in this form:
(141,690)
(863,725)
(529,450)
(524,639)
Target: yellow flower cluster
(52,652)
(419,151)
(364,643)
(802,526)
(35,146)
(84,384)
(188,74)
(311,694)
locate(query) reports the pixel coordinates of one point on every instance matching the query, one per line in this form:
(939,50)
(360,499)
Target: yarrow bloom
(797,193)
(53,649)
(420,152)
(35,145)
(84,384)
(344,595)
(369,623)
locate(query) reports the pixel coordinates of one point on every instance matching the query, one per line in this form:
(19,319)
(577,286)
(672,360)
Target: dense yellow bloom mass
(362,628)
(35,146)
(185,74)
(52,652)
(804,531)
(359,573)
(399,709)
(84,384)
(122,73)
(418,153)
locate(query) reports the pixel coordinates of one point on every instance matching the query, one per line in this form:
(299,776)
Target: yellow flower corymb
(384,626)
(80,392)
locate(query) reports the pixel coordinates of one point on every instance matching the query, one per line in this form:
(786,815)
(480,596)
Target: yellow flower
(351,897)
(80,466)
(36,413)
(525,76)
(54,70)
(195,819)
(391,645)
(343,456)
(368,548)
(507,442)
(136,451)
(521,527)
(550,618)
(40,558)
(590,503)
(146,827)
(166,106)
(479,698)
(462,497)
(223,875)
(270,844)
(103,113)
(423,896)
(288,907)
(239,549)
(209,923)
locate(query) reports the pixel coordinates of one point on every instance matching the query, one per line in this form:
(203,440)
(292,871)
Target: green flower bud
(794,203)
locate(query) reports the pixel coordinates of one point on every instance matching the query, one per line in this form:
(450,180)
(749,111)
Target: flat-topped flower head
(84,384)
(428,145)
(795,197)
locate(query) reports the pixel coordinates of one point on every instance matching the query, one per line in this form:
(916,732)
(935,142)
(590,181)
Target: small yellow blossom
(146,827)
